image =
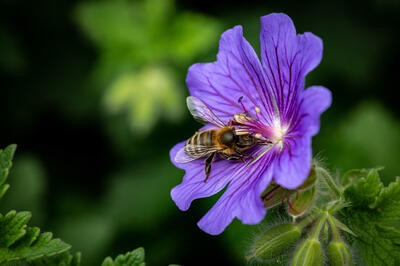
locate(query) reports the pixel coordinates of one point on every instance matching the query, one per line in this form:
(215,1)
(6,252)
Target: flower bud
(302,202)
(308,253)
(275,241)
(338,254)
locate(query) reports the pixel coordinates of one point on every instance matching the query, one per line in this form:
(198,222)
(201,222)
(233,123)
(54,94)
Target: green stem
(318,227)
(307,220)
(329,180)
(335,232)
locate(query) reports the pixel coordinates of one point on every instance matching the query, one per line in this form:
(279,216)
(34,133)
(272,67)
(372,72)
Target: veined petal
(294,162)
(241,198)
(316,100)
(193,185)
(286,59)
(236,73)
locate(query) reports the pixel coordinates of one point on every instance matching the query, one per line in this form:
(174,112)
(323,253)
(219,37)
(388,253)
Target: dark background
(97,172)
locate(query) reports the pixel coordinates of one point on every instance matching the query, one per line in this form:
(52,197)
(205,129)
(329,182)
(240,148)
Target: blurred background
(93,94)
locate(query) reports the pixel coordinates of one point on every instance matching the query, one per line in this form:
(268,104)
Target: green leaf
(365,191)
(12,227)
(6,156)
(19,243)
(64,259)
(375,218)
(133,258)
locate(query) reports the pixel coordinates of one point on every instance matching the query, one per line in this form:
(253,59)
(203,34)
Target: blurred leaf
(138,41)
(28,187)
(192,34)
(89,233)
(11,57)
(139,199)
(133,258)
(366,137)
(6,156)
(145,96)
(19,243)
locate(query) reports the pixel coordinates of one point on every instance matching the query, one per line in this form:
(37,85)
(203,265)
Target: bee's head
(245,140)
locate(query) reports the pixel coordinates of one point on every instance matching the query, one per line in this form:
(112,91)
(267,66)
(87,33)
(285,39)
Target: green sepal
(338,254)
(308,253)
(302,201)
(275,241)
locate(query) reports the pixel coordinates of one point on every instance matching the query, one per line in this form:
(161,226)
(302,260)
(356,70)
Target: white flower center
(279,132)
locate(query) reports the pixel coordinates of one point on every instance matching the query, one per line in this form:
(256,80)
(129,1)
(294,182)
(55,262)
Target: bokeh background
(93,94)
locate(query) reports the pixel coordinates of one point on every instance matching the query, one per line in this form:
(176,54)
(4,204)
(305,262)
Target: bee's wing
(201,112)
(201,151)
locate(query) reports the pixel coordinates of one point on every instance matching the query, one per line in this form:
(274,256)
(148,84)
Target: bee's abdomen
(199,141)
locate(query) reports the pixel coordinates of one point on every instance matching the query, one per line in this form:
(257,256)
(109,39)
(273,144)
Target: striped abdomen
(196,145)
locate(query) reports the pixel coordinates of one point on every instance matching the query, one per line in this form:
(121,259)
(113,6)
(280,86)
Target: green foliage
(28,182)
(369,135)
(116,214)
(133,258)
(142,44)
(19,243)
(6,156)
(64,259)
(365,191)
(375,218)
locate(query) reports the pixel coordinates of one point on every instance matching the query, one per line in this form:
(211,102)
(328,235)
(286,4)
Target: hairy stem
(318,227)
(335,232)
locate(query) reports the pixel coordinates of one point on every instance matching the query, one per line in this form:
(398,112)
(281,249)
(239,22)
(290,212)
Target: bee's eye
(227,137)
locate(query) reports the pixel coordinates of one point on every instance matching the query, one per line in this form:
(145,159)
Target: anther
(257,110)
(258,136)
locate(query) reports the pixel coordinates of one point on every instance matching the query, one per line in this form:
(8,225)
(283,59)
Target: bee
(225,140)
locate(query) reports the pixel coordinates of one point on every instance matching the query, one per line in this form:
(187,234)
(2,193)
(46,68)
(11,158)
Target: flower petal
(316,100)
(294,163)
(241,199)
(287,58)
(236,73)
(193,185)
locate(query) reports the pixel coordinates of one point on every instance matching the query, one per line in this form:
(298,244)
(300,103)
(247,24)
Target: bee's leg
(241,154)
(207,168)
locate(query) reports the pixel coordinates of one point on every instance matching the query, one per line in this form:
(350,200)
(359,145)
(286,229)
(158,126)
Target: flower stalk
(320,224)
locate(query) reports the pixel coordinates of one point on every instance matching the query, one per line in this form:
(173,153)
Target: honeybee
(225,140)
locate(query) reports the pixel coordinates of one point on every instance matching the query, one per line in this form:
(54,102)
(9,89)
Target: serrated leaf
(6,157)
(376,223)
(133,258)
(365,191)
(25,250)
(12,227)
(64,259)
(3,189)
(19,243)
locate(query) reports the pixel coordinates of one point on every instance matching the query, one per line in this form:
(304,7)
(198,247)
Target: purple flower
(287,116)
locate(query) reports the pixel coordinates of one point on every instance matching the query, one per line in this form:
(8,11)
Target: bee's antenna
(240,101)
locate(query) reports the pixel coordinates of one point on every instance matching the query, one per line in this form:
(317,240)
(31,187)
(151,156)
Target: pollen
(257,110)
(279,132)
